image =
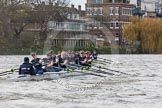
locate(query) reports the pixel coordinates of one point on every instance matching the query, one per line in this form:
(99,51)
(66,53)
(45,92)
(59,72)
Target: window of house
(99,11)
(122,11)
(95,11)
(112,1)
(111,25)
(116,10)
(96,1)
(111,10)
(76,16)
(71,16)
(117,37)
(131,12)
(89,11)
(117,25)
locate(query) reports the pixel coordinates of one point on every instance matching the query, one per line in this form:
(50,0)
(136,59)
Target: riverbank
(41,50)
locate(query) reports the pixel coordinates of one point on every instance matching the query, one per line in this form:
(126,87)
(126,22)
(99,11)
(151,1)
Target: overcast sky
(79,2)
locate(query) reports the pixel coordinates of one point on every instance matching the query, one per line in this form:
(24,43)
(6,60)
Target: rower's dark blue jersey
(62,60)
(89,58)
(76,58)
(59,57)
(54,60)
(26,68)
(47,61)
(81,59)
(71,59)
(94,56)
(36,63)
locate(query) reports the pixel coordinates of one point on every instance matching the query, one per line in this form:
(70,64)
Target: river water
(142,88)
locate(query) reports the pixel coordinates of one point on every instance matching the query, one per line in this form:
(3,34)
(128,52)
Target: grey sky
(79,2)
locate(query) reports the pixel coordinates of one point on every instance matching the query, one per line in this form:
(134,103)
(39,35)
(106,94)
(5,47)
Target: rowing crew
(56,63)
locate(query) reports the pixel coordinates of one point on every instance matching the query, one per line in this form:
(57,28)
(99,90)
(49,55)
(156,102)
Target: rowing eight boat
(52,75)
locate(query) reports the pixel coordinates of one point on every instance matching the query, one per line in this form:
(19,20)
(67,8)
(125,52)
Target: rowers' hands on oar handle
(69,70)
(41,61)
(85,68)
(101,67)
(11,71)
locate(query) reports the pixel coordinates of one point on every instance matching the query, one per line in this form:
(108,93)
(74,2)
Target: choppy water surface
(141,89)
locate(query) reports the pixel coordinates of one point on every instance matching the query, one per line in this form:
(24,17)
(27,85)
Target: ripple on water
(141,89)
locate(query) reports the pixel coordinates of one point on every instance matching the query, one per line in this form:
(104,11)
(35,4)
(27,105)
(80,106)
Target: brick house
(108,17)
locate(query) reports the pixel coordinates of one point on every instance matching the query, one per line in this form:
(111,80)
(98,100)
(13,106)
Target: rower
(55,62)
(26,68)
(82,60)
(76,57)
(63,60)
(94,55)
(71,58)
(59,54)
(36,62)
(55,58)
(88,58)
(49,63)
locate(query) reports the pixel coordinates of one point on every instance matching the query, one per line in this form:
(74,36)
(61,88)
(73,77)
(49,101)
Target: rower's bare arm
(40,61)
(84,61)
(65,62)
(57,60)
(90,60)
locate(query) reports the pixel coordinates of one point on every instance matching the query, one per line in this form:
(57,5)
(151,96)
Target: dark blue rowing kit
(26,68)
(37,66)
(94,56)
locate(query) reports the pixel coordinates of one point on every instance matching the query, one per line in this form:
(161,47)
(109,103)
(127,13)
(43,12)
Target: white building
(148,5)
(160,6)
(152,8)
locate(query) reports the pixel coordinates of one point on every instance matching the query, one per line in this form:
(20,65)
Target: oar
(95,70)
(103,72)
(82,69)
(112,70)
(95,62)
(89,73)
(105,59)
(8,72)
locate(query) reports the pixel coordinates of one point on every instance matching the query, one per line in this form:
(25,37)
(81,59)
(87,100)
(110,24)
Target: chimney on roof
(72,6)
(79,7)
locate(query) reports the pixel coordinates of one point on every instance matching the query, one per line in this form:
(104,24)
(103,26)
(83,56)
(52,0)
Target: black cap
(26,59)
(70,52)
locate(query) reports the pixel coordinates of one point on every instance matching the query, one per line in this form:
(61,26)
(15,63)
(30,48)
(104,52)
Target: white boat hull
(46,76)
